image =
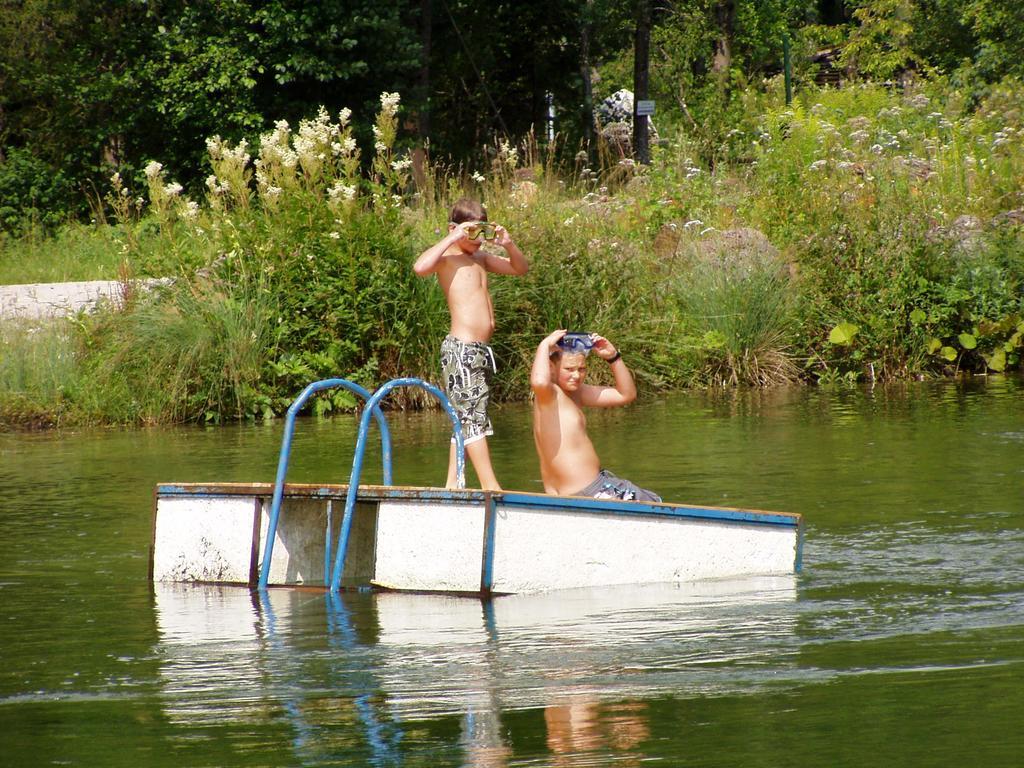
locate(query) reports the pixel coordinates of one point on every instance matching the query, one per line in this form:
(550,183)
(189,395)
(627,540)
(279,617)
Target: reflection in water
(378,662)
(209,648)
(618,640)
(582,725)
(481,735)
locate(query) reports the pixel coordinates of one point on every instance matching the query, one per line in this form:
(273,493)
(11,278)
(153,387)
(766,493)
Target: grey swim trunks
(608,486)
(467,367)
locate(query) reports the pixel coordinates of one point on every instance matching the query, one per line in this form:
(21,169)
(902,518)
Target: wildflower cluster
(322,154)
(390,170)
(320,158)
(228,185)
(507,158)
(276,164)
(125,208)
(165,198)
(867,145)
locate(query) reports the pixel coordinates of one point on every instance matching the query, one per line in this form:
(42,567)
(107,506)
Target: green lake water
(900,644)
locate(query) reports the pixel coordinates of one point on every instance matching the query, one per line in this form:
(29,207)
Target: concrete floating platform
(459,541)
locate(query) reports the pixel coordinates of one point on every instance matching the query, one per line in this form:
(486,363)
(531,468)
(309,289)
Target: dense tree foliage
(975,41)
(87,87)
(68,89)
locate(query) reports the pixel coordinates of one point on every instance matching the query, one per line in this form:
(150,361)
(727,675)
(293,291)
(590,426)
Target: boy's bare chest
(570,414)
(464,273)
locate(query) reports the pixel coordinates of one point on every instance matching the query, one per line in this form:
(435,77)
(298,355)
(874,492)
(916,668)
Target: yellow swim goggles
(478,228)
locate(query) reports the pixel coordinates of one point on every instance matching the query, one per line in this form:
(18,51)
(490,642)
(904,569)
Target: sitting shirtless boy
(467,361)
(568,462)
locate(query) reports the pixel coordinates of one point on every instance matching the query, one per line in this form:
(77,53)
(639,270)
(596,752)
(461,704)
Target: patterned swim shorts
(467,367)
(609,486)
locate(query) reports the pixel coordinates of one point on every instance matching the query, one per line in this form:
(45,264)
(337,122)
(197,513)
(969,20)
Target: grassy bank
(857,234)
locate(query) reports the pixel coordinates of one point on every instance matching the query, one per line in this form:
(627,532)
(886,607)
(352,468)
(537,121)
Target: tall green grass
(740,312)
(75,252)
(190,351)
(38,368)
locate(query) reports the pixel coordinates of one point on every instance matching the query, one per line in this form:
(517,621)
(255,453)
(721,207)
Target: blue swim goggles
(576,343)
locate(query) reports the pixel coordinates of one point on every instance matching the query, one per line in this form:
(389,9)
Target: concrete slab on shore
(40,301)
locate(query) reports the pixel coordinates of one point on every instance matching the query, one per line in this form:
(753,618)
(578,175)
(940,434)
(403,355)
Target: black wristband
(616,356)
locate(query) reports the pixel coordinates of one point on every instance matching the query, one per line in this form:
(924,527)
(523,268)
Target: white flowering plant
(126,208)
(390,171)
(165,197)
(229,183)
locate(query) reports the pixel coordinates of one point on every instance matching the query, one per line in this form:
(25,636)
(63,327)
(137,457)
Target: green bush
(32,193)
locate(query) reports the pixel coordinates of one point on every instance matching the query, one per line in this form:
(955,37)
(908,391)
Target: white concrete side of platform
(439,543)
(538,549)
(221,539)
(434,546)
(204,539)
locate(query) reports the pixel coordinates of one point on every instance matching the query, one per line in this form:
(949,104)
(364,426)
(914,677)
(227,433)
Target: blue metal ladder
(373,409)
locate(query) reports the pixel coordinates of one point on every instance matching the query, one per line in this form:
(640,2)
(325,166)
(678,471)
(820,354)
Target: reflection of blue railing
(357,463)
(290,701)
(357,682)
(286,447)
(383,738)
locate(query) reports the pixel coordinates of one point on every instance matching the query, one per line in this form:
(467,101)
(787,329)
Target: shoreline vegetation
(859,234)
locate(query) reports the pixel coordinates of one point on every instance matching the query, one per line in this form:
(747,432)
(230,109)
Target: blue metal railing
(286,447)
(357,462)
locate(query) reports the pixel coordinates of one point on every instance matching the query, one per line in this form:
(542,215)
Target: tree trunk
(725,20)
(426,20)
(641,69)
(588,86)
(422,117)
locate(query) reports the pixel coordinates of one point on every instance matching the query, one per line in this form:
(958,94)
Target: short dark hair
(467,209)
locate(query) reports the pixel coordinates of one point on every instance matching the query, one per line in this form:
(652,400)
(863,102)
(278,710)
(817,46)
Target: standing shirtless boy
(467,361)
(568,462)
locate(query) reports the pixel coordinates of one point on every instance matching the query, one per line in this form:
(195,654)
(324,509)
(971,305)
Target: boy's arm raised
(430,259)
(514,262)
(540,373)
(623,392)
